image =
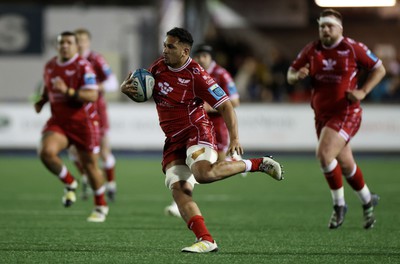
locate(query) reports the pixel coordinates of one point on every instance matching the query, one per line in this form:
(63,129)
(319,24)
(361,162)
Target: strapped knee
(179,173)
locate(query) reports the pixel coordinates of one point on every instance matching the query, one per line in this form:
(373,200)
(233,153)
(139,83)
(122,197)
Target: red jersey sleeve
(303,57)
(364,56)
(207,89)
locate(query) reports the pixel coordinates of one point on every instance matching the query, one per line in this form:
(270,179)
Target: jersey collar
(59,62)
(189,60)
(334,45)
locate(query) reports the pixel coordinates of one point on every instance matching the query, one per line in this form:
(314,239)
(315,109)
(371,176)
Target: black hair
(67,34)
(203,48)
(182,34)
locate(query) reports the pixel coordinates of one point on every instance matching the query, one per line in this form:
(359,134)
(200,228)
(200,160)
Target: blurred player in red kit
(70,87)
(189,155)
(333,64)
(107,82)
(203,54)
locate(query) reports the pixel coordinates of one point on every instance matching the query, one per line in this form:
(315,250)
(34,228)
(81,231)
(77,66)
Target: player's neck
(181,64)
(334,44)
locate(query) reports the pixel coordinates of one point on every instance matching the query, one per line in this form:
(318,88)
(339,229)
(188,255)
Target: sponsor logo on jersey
(328,64)
(196,70)
(165,88)
(372,56)
(183,81)
(70,72)
(216,91)
(89,78)
(343,53)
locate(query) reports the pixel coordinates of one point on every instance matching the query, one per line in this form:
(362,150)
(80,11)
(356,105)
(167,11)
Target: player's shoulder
(353,43)
(81,61)
(96,57)
(220,70)
(350,41)
(311,47)
(157,66)
(84,65)
(51,62)
(195,68)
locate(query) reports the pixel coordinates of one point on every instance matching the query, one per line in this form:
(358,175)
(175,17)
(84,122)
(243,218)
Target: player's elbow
(381,71)
(235,102)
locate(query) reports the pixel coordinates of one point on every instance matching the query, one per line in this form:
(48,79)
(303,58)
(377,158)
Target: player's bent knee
(47,153)
(179,173)
(200,152)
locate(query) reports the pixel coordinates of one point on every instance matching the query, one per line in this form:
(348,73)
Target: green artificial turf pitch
(254,219)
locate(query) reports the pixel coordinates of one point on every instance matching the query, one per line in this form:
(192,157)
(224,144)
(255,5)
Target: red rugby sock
(255,164)
(197,225)
(334,178)
(357,180)
(110,174)
(68,179)
(99,197)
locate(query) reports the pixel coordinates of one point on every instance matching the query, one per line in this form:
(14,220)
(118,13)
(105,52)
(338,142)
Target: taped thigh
(200,152)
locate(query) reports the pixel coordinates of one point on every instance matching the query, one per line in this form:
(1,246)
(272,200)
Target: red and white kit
(334,71)
(79,121)
(224,79)
(103,72)
(179,95)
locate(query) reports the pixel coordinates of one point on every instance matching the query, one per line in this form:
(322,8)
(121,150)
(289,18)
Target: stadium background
(254,219)
(244,34)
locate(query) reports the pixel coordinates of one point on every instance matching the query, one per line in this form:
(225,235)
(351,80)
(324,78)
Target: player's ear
(186,51)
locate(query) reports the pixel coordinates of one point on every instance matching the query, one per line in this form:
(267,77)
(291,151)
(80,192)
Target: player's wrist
(72,93)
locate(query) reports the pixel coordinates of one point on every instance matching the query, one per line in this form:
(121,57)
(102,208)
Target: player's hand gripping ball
(143,81)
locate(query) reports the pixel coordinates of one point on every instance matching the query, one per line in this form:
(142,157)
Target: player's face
(83,43)
(175,53)
(204,59)
(329,33)
(67,47)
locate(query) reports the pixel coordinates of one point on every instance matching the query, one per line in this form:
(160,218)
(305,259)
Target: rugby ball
(143,81)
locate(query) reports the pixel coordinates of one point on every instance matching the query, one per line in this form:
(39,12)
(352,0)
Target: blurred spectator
(254,79)
(388,88)
(279,65)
